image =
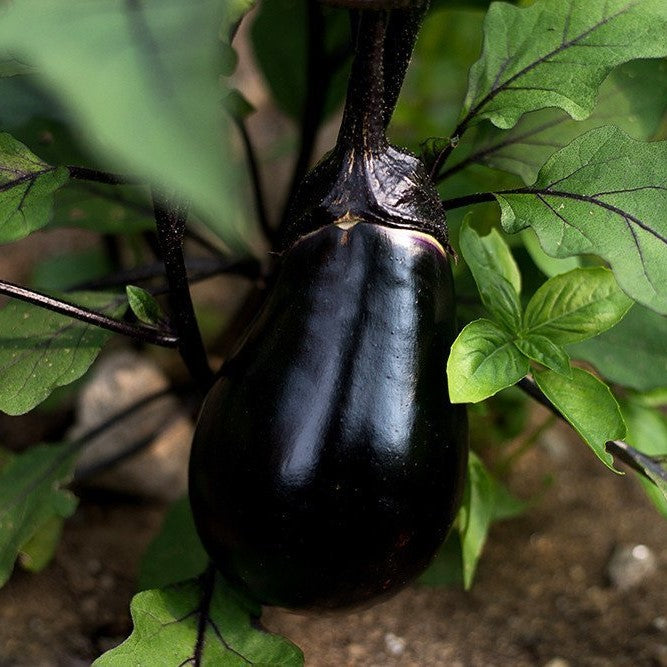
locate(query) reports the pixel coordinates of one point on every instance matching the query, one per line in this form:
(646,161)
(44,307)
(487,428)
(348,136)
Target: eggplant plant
(491,217)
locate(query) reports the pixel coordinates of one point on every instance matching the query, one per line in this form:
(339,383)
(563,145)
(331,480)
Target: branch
(256,179)
(319,73)
(96,176)
(626,453)
(170,218)
(139,332)
(467,200)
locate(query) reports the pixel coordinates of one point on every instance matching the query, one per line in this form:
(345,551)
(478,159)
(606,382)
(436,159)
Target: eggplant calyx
(389,187)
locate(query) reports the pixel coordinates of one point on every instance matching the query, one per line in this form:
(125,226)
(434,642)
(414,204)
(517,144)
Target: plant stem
(626,453)
(256,179)
(363,125)
(95,175)
(467,200)
(402,31)
(198,268)
(319,72)
(139,332)
(170,218)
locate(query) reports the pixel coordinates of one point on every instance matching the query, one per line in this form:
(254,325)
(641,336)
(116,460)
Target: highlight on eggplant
(328,463)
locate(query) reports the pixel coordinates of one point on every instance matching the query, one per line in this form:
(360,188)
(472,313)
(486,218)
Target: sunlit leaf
(603,194)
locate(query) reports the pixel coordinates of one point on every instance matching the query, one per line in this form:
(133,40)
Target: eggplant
(328,463)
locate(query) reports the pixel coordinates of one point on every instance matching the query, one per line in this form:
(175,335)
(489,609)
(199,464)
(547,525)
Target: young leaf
(603,194)
(485,501)
(41,350)
(588,405)
(545,352)
(176,554)
(496,274)
(145,93)
(556,53)
(576,305)
(633,353)
(143,304)
(483,360)
(647,431)
(32,493)
(202,622)
(632,98)
(27,186)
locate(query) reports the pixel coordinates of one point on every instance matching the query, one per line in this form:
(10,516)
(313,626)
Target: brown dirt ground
(541,596)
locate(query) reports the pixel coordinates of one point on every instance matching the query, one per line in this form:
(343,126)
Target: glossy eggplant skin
(328,464)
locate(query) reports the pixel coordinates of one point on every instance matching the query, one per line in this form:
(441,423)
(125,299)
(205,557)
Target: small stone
(356,650)
(630,565)
(394,644)
(557,662)
(660,623)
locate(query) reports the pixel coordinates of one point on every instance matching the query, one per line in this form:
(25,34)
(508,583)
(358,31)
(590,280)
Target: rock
(159,470)
(395,645)
(630,565)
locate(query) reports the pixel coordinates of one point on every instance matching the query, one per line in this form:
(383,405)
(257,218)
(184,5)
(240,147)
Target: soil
(541,596)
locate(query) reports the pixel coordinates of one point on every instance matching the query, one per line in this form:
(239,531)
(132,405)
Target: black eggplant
(328,463)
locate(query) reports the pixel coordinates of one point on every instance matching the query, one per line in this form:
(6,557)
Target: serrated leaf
(647,432)
(483,360)
(143,304)
(633,98)
(496,274)
(485,501)
(41,350)
(145,93)
(27,186)
(576,305)
(588,405)
(633,353)
(32,493)
(176,554)
(603,194)
(166,630)
(556,53)
(545,352)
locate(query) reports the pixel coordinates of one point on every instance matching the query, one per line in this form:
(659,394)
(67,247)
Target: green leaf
(647,432)
(631,98)
(485,501)
(143,304)
(545,352)
(603,194)
(447,566)
(550,266)
(27,186)
(146,94)
(176,554)
(576,305)
(280,42)
(38,551)
(32,493)
(496,274)
(166,630)
(483,360)
(588,405)
(41,350)
(633,353)
(556,53)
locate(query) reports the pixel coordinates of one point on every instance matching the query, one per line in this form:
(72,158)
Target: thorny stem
(626,453)
(467,200)
(140,332)
(170,218)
